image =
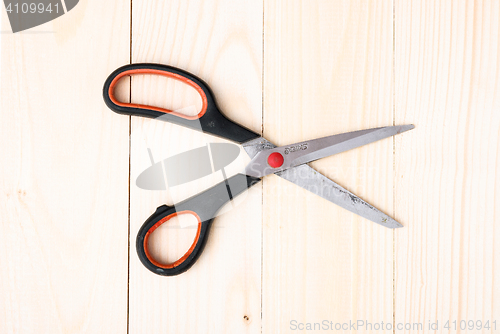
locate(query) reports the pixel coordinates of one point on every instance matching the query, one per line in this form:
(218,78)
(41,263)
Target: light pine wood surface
(278,256)
(64,172)
(327,70)
(447,71)
(220,42)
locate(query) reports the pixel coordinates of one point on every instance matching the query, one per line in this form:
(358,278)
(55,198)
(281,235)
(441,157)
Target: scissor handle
(209,119)
(204,207)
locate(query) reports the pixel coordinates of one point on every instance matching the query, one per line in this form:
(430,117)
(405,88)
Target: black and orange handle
(204,207)
(209,119)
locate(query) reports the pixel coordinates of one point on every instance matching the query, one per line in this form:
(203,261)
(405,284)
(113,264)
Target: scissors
(288,162)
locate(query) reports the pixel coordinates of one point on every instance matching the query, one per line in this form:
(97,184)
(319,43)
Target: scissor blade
(308,178)
(307,151)
(324,147)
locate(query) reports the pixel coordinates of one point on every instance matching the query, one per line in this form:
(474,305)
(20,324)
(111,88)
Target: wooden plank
(64,176)
(327,70)
(221,42)
(447,70)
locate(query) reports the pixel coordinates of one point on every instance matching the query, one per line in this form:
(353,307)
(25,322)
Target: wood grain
(64,174)
(327,70)
(447,74)
(70,206)
(220,42)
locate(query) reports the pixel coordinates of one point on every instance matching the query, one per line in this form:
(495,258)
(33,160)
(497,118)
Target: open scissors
(288,162)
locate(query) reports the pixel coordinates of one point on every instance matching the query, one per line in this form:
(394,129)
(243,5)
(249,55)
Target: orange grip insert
(186,255)
(163,110)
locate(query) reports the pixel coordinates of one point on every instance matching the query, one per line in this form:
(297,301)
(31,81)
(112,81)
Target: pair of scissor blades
(288,162)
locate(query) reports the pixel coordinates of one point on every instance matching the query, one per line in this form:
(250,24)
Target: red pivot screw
(275,160)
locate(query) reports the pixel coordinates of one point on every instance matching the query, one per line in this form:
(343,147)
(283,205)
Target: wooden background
(292,70)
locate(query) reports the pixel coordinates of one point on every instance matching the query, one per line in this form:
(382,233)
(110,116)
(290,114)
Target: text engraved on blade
(295,148)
